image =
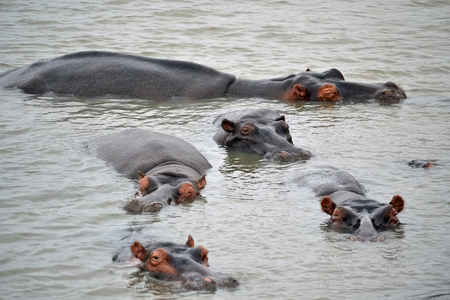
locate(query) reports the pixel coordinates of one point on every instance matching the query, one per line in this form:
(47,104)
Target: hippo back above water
(261,131)
(98,74)
(168,168)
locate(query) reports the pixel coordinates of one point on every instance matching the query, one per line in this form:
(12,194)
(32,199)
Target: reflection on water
(61,218)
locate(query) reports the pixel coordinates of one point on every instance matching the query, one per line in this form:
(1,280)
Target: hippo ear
(138,251)
(228,126)
(281,118)
(398,203)
(144,183)
(201,182)
(140,175)
(190,242)
(328,205)
(204,255)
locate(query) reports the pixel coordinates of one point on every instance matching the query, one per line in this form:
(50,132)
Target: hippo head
(363,219)
(184,263)
(331,86)
(159,190)
(269,138)
(417,163)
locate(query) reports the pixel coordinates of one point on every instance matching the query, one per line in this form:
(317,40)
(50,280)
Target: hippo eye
(328,92)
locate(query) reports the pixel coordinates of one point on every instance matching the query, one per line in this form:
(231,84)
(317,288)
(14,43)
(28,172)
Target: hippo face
(364,219)
(262,132)
(157,190)
(185,263)
(331,86)
(164,195)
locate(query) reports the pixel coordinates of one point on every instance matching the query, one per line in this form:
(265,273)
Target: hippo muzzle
(391,93)
(287,156)
(366,231)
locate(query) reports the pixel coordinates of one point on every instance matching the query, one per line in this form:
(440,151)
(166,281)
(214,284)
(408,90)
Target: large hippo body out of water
(97,74)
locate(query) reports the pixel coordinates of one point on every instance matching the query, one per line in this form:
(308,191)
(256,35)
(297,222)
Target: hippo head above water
(344,199)
(330,85)
(260,131)
(184,263)
(363,218)
(166,185)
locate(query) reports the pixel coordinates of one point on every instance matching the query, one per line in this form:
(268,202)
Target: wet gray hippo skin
(169,169)
(345,201)
(261,131)
(177,262)
(97,74)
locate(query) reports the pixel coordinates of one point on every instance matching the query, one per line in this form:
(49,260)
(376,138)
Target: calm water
(61,221)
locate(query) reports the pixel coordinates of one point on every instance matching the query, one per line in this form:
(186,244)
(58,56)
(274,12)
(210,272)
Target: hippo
(262,131)
(418,163)
(99,73)
(177,262)
(344,199)
(169,169)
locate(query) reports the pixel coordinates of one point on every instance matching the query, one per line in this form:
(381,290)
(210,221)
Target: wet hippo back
(94,74)
(136,150)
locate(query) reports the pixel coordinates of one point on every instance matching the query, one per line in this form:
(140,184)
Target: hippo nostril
(284,156)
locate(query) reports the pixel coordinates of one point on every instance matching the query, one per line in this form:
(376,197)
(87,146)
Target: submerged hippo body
(96,74)
(261,131)
(169,169)
(177,262)
(343,198)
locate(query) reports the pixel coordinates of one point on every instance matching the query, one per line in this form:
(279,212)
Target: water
(61,221)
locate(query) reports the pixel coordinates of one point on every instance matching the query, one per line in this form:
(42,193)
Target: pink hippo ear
(144,182)
(204,255)
(328,205)
(398,203)
(201,182)
(138,251)
(228,126)
(190,242)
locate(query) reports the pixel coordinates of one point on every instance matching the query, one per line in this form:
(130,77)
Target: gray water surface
(61,221)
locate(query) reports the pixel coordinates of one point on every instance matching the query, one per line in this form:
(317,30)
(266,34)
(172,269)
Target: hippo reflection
(177,262)
(345,201)
(97,74)
(261,131)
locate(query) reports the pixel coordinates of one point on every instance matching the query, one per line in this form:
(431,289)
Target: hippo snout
(288,155)
(366,231)
(391,93)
